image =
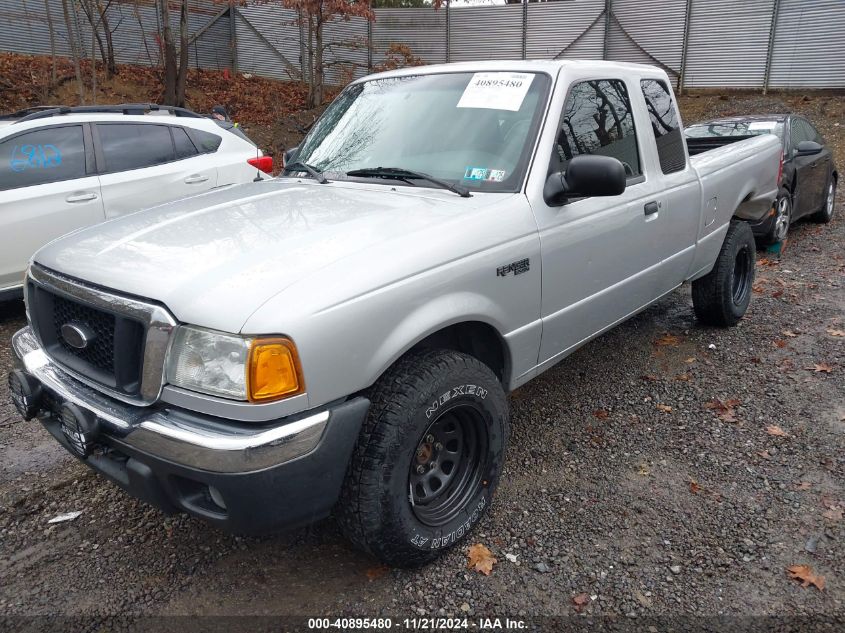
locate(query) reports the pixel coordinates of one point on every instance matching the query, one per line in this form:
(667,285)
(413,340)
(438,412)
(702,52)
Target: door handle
(81,196)
(651,207)
(195,179)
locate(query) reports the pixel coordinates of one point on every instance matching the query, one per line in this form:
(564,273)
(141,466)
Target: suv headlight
(258,369)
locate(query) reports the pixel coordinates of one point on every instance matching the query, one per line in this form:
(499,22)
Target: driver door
(599,258)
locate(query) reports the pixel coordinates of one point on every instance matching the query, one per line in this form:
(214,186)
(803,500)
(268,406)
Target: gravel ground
(646,485)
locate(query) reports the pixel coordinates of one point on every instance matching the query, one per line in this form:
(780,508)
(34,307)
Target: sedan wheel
(825,214)
(782,219)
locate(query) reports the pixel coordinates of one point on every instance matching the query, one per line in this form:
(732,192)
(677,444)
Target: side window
(134,145)
(206,142)
(47,155)
(798,132)
(665,125)
(812,132)
(184,145)
(597,119)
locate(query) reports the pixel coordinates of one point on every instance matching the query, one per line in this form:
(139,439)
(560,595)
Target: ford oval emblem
(77,336)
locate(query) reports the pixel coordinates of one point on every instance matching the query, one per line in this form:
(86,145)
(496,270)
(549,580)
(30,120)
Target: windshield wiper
(402,174)
(300,166)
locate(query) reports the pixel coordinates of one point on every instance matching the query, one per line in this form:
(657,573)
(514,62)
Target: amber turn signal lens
(273,370)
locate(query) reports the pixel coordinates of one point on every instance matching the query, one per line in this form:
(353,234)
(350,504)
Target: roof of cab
(518,65)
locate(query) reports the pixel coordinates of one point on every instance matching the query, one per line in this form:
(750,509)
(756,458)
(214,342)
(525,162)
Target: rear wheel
(428,459)
(825,214)
(722,296)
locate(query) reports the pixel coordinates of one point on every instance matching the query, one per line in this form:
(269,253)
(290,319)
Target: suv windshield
(475,130)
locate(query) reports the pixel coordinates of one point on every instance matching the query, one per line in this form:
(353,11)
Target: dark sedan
(808,176)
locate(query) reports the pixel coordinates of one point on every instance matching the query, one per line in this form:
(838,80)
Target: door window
(46,155)
(597,119)
(185,147)
(206,142)
(133,146)
(665,125)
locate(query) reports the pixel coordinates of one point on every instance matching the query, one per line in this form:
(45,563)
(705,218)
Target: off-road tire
(716,298)
(422,389)
(825,214)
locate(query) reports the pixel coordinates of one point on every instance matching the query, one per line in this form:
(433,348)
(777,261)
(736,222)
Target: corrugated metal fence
(701,43)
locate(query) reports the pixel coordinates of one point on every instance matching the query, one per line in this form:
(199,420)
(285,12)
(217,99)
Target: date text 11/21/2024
(417,624)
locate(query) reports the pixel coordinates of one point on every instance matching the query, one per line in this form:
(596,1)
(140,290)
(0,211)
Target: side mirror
(808,148)
(585,175)
(289,155)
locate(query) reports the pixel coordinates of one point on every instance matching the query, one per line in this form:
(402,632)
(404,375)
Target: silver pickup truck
(342,338)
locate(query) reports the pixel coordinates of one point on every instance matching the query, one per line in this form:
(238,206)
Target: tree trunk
(170,69)
(52,43)
(111,66)
(73,51)
(183,55)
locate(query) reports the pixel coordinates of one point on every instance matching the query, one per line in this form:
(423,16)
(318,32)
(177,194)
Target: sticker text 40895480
(35,157)
(496,91)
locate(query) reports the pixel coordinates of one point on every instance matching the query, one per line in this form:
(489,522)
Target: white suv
(66,168)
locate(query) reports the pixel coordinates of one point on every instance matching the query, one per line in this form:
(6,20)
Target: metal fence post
(775,11)
(524,28)
(685,48)
(608,9)
(369,46)
(448,34)
(233,37)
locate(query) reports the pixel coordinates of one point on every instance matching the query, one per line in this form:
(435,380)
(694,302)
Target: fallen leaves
(820,368)
(780,343)
(665,408)
(669,340)
(775,430)
(481,559)
(601,414)
(697,489)
(835,332)
(789,333)
(724,410)
(833,514)
(581,601)
(374,573)
(805,575)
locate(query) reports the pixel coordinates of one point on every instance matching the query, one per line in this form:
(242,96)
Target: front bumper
(246,478)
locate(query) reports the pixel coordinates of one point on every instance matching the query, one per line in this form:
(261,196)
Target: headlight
(241,368)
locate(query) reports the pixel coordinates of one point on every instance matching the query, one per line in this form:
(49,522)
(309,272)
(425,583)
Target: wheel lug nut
(420,469)
(429,438)
(438,446)
(433,465)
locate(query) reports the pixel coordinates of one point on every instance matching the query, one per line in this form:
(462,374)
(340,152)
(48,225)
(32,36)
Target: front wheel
(782,220)
(428,459)
(722,296)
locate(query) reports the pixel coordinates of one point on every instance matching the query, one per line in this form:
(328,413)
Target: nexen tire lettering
(461,390)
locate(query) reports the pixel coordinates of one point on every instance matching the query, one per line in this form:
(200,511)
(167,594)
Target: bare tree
(175,72)
(52,43)
(67,7)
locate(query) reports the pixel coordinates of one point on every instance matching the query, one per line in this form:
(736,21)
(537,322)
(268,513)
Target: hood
(215,258)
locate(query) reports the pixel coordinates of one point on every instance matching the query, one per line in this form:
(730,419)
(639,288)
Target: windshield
(475,130)
(734,128)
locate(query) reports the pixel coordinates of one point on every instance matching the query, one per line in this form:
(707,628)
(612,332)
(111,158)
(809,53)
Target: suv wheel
(428,459)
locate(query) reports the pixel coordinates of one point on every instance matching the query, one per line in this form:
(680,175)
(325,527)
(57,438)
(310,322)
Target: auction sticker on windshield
(496,91)
(762,125)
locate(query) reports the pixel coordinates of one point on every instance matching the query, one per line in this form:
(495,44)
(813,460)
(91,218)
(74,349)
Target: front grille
(100,353)
(114,355)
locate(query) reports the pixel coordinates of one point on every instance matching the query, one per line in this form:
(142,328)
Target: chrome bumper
(176,436)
